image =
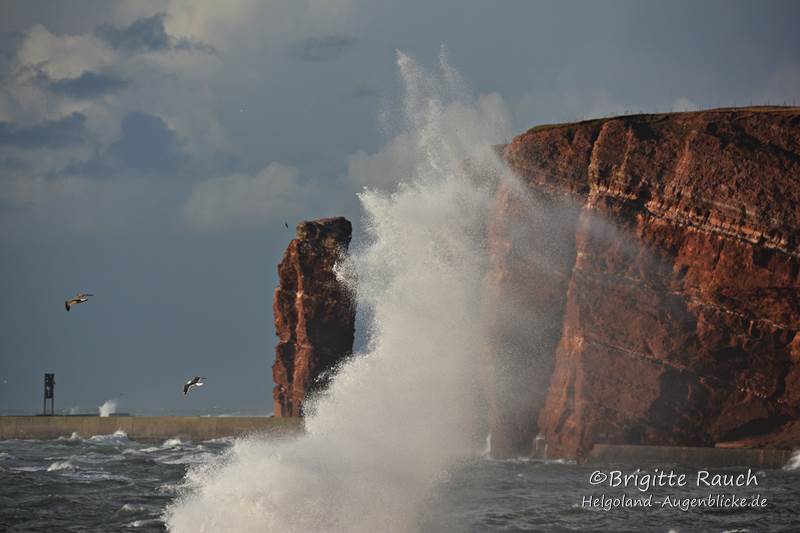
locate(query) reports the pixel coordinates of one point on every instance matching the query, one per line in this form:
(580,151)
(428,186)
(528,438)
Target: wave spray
(108,408)
(398,417)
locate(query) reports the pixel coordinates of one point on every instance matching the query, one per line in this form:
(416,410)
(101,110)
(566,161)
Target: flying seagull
(194,382)
(78,299)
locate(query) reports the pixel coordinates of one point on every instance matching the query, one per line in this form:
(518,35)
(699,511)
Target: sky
(151,151)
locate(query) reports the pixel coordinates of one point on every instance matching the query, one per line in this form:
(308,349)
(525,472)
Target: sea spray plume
(396,418)
(108,408)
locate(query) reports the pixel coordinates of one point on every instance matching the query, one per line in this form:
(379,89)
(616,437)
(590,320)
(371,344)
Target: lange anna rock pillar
(314,313)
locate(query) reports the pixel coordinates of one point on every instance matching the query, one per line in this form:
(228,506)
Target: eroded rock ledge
(314,313)
(676,291)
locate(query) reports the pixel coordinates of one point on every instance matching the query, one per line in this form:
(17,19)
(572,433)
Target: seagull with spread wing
(194,382)
(77,299)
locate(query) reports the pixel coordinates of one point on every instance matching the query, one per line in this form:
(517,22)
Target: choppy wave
(146,523)
(118,437)
(132,508)
(62,465)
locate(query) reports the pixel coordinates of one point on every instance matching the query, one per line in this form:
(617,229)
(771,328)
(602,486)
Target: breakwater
(145,427)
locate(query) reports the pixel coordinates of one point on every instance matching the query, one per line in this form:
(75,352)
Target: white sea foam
(61,465)
(118,437)
(397,417)
(220,440)
(74,437)
(131,508)
(145,523)
(28,468)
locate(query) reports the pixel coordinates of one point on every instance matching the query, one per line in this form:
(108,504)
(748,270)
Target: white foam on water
(131,508)
(220,440)
(396,418)
(148,449)
(172,443)
(61,465)
(28,468)
(118,437)
(145,523)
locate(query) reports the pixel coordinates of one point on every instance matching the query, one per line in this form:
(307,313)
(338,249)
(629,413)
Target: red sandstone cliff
(669,312)
(314,313)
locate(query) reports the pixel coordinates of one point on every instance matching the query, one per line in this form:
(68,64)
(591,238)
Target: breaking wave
(398,417)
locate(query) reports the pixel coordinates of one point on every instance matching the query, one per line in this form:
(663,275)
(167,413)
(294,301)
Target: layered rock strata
(314,313)
(669,312)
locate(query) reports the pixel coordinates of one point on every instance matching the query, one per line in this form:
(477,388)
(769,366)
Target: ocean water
(112,484)
(100,483)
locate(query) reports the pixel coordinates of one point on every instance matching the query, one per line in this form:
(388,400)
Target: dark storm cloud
(87,85)
(146,147)
(65,131)
(322,49)
(9,42)
(145,35)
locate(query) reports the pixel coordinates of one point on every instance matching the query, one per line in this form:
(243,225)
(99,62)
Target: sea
(110,483)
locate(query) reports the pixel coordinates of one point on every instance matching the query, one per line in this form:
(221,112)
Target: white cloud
(245,202)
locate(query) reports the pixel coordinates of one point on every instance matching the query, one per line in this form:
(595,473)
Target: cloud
(86,86)
(146,147)
(36,205)
(241,202)
(147,34)
(323,49)
(66,131)
(63,56)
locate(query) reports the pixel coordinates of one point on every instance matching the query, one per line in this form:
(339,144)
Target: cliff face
(314,313)
(674,298)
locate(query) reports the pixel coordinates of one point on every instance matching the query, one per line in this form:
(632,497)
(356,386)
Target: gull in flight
(194,382)
(77,299)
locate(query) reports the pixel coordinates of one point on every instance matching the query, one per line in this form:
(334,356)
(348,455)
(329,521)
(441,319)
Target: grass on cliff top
(660,116)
